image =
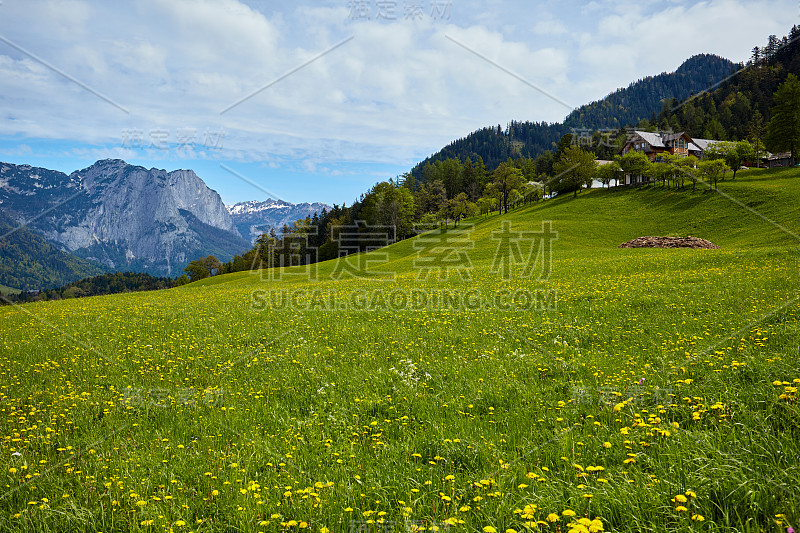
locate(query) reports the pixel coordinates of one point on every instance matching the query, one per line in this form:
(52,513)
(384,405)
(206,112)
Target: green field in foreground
(613,389)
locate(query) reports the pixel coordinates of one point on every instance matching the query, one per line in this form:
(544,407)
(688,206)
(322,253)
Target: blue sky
(317,101)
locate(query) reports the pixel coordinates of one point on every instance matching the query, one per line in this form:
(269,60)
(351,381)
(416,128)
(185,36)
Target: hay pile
(669,242)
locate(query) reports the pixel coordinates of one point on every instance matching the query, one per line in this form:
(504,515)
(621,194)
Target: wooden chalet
(654,144)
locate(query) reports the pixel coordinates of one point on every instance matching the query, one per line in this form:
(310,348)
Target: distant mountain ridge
(123,216)
(626,106)
(253,218)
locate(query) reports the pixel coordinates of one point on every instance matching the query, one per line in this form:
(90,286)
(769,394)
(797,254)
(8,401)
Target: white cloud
(399,90)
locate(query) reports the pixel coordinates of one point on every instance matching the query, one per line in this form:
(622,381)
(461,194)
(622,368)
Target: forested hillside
(740,107)
(30,262)
(641,100)
(115,283)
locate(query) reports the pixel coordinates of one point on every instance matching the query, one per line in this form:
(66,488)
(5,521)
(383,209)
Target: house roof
(653,139)
(672,136)
(658,140)
(782,155)
(703,143)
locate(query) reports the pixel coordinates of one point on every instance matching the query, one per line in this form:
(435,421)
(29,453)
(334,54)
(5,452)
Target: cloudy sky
(318,100)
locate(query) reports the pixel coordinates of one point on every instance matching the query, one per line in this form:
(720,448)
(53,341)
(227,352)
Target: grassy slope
(387,404)
(8,290)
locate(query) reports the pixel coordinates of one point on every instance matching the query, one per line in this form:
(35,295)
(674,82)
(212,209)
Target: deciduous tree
(734,153)
(574,169)
(635,163)
(506,178)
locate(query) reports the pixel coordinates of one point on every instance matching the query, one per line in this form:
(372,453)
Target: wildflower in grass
(681,509)
(180,523)
(568,512)
(690,494)
(553,517)
(489,529)
(146,523)
(700,518)
(679,498)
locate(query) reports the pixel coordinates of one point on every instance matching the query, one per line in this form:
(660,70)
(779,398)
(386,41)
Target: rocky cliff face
(124,216)
(254,218)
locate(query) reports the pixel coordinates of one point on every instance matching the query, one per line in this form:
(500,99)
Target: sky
(316,101)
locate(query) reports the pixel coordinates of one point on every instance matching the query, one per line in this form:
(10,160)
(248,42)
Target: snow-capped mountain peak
(254,206)
(252,218)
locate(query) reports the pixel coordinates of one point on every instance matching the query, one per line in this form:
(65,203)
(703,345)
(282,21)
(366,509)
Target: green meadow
(8,290)
(498,388)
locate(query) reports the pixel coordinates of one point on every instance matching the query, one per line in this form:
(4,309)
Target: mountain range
(120,216)
(254,218)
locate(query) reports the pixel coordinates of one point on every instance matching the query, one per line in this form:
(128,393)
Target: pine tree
(784,128)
